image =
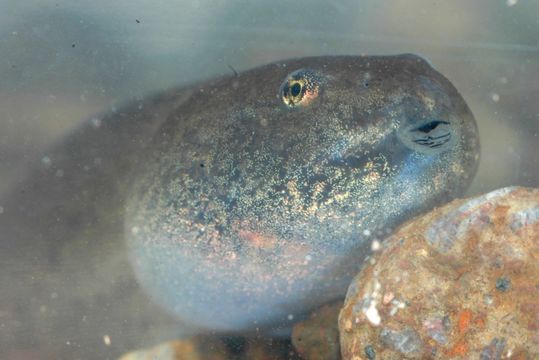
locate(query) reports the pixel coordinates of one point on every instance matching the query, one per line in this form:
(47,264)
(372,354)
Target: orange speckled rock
(317,338)
(461,282)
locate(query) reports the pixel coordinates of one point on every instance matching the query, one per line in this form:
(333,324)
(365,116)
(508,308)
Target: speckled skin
(247,212)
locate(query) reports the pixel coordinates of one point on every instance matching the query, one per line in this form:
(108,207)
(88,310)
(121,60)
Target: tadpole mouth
(432,134)
(429,136)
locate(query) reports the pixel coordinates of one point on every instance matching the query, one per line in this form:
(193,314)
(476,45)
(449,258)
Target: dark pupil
(295,89)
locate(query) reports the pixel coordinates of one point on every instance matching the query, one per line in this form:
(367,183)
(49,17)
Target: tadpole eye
(300,88)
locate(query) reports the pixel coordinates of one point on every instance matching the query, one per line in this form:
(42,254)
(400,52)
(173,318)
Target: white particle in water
(375,245)
(1,210)
(511,2)
(45,160)
(106,340)
(96,122)
(134,230)
(367,232)
(290,317)
(495,97)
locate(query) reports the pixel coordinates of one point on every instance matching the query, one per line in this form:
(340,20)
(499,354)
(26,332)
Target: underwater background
(63,61)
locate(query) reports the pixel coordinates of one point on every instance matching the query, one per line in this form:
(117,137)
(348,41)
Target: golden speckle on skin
(371,179)
(369,166)
(437,182)
(457,168)
(339,197)
(293,189)
(316,197)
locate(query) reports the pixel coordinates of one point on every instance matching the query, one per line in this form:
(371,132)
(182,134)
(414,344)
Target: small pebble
(370,353)
(317,338)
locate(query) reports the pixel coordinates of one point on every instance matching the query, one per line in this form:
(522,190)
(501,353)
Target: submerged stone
(317,338)
(430,283)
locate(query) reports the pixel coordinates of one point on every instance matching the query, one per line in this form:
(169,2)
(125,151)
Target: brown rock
(317,338)
(459,282)
(268,349)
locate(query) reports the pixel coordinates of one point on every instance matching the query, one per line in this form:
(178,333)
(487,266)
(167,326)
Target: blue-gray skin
(246,201)
(259,196)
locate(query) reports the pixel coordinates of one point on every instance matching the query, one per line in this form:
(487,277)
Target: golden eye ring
(300,88)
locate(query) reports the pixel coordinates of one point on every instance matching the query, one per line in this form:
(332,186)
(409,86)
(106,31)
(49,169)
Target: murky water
(65,61)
